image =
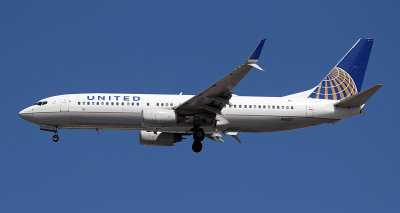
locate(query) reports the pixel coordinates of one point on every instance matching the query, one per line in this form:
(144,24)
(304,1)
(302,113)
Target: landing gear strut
(198,136)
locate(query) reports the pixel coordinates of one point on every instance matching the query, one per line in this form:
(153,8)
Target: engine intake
(159,138)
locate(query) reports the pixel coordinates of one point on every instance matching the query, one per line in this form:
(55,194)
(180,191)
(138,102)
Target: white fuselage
(124,111)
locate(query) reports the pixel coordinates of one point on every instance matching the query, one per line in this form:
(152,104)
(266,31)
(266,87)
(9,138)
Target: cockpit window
(40,103)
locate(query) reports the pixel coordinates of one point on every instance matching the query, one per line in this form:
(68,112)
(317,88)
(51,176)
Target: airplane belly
(267,123)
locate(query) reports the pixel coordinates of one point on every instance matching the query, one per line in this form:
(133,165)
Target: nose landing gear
(55,138)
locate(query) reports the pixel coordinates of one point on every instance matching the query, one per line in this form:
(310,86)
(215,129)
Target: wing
(211,101)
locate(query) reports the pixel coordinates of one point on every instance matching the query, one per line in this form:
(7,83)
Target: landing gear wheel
(55,138)
(198,134)
(197,146)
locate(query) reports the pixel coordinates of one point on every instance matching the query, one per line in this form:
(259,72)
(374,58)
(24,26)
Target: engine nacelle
(158,118)
(159,139)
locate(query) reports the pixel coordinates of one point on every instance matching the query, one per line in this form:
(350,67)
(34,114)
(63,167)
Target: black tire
(55,138)
(197,146)
(198,135)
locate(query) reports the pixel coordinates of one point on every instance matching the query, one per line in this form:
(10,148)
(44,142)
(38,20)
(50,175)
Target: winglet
(255,55)
(257,67)
(257,52)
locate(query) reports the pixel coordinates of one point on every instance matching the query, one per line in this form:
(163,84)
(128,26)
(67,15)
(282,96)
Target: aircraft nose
(25,114)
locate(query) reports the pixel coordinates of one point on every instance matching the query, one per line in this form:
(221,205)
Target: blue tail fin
(347,76)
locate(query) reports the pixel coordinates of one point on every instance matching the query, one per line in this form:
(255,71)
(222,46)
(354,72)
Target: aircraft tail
(346,78)
(359,99)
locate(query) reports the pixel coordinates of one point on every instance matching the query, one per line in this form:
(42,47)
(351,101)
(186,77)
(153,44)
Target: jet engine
(159,138)
(158,118)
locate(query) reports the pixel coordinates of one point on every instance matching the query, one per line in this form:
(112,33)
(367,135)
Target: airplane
(164,120)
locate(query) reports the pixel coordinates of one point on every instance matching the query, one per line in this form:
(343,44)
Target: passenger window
(245,106)
(127,103)
(240,106)
(88,103)
(263,106)
(277,107)
(133,104)
(171,104)
(234,106)
(291,107)
(158,104)
(102,103)
(259,106)
(112,103)
(287,107)
(283,107)
(122,103)
(107,103)
(249,106)
(273,106)
(162,104)
(137,104)
(79,103)
(83,103)
(97,103)
(148,104)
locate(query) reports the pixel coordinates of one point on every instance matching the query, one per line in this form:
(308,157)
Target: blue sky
(58,47)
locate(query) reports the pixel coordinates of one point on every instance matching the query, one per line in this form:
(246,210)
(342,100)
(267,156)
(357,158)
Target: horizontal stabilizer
(359,99)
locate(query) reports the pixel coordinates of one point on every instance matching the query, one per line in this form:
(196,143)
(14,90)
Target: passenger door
(64,104)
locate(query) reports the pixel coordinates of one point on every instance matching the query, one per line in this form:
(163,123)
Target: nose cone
(26,115)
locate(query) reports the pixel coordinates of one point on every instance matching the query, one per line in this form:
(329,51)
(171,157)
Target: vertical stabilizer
(346,78)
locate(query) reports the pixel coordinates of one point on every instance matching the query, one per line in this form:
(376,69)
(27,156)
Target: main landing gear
(198,136)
